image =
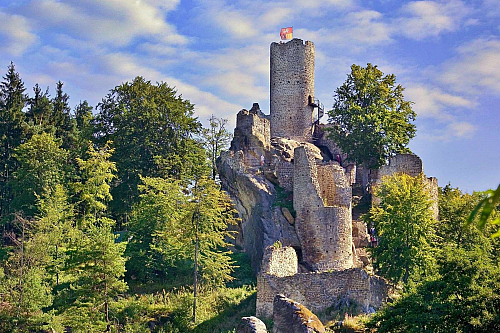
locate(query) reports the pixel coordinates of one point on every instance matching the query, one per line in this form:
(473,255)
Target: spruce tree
(61,117)
(12,101)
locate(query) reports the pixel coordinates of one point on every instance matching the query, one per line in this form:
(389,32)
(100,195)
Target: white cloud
(443,110)
(241,72)
(126,67)
(432,102)
(106,21)
(454,130)
(476,68)
(358,30)
(431,18)
(15,34)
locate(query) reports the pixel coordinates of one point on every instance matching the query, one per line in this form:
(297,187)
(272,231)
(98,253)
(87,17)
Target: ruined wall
(279,261)
(291,83)
(318,291)
(252,135)
(323,224)
(432,187)
(409,164)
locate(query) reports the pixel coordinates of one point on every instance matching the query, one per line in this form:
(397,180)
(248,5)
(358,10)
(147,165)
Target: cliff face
(311,214)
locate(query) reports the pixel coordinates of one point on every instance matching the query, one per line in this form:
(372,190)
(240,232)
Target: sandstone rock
(288,215)
(251,325)
(261,223)
(292,317)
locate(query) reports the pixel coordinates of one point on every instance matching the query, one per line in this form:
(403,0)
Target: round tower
(292,89)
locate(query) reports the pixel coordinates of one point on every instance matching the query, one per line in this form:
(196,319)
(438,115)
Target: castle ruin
(287,186)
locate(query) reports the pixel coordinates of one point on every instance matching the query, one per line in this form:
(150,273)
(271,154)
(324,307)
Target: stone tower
(322,200)
(292,89)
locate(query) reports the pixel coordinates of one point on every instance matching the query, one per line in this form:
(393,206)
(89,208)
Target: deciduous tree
(371,120)
(405,226)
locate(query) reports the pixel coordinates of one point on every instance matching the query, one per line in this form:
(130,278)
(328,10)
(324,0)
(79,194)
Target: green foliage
(464,297)
(370,117)
(166,222)
(42,165)
(454,209)
(153,131)
(12,101)
(65,125)
(97,173)
(54,230)
(99,266)
(284,199)
(215,139)
(39,113)
(278,244)
(487,207)
(405,226)
(161,207)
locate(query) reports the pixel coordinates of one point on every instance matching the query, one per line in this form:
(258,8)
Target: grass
(164,307)
(284,199)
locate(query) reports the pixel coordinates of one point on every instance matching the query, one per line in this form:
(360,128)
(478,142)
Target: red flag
(286,33)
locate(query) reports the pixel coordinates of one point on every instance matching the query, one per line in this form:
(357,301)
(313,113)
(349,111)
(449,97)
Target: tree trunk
(195,282)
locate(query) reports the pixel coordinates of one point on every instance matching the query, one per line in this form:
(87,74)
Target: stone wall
(323,224)
(319,291)
(432,187)
(292,83)
(279,261)
(409,164)
(252,135)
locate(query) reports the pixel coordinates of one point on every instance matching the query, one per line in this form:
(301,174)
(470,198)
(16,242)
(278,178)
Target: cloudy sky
(446,53)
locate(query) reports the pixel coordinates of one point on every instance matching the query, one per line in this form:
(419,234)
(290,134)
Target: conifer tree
(42,165)
(40,108)
(97,172)
(97,260)
(12,101)
(55,229)
(61,117)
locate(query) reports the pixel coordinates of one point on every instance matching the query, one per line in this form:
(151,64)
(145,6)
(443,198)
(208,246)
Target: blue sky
(446,53)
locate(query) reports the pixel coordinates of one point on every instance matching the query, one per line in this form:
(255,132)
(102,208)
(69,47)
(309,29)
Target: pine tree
(55,229)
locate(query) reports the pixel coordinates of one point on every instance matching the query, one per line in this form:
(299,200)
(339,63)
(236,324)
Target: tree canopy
(153,131)
(405,226)
(370,119)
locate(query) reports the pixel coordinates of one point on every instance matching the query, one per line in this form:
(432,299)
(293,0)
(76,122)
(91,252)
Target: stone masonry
(291,183)
(323,222)
(292,86)
(321,290)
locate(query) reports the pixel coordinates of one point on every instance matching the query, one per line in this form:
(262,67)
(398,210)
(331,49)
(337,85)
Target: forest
(112,220)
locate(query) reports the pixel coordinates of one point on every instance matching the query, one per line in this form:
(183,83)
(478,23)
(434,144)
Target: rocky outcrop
(262,221)
(292,317)
(251,325)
